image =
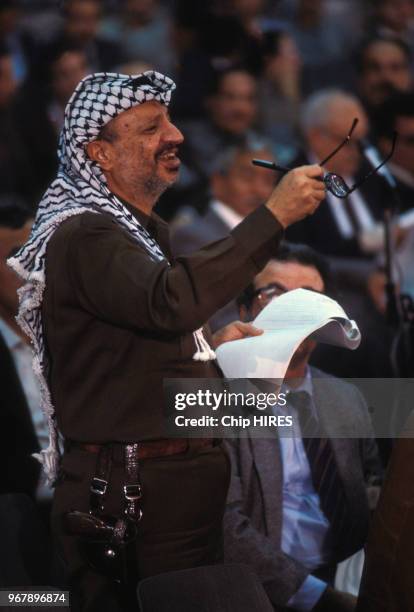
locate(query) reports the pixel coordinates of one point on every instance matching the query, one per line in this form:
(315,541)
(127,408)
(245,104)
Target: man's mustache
(167,148)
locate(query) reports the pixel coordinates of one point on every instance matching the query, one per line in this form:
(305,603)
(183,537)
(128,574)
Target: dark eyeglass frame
(268,289)
(334,183)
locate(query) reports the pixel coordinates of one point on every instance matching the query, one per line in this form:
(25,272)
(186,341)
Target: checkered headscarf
(80,187)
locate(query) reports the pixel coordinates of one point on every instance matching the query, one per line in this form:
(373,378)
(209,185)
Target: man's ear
(100,152)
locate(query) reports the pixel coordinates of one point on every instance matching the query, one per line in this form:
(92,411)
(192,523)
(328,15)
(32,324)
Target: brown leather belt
(150,449)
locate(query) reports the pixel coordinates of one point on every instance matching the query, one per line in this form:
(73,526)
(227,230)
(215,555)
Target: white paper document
(286,322)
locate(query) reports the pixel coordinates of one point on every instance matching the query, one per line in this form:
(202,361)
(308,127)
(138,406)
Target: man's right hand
(297,195)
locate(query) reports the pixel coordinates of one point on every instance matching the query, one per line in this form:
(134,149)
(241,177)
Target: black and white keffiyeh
(81,187)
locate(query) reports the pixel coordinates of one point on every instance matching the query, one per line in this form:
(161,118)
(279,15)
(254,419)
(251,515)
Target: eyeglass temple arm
(375,170)
(343,143)
(263,163)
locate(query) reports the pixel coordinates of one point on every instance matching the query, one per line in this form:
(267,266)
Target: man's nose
(173,135)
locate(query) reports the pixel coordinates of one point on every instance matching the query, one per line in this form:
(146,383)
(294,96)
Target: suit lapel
(214,224)
(330,413)
(268,463)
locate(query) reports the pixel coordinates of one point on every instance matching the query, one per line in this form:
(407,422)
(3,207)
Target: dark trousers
(183,504)
(387,582)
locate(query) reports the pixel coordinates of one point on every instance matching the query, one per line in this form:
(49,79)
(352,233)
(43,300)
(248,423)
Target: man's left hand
(235,331)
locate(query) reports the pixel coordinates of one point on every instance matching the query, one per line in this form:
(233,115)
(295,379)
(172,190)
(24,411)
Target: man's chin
(161,179)
(170,176)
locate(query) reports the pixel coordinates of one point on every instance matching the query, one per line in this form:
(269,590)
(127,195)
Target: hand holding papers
(286,322)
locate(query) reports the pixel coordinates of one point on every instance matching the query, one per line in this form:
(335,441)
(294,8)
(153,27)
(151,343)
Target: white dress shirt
(229,216)
(305,528)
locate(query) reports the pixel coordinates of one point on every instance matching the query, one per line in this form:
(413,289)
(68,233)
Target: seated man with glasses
(299,505)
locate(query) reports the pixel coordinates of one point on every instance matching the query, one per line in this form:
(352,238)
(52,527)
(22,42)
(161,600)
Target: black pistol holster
(107,541)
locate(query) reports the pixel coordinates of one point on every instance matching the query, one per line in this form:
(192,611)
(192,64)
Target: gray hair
(317,109)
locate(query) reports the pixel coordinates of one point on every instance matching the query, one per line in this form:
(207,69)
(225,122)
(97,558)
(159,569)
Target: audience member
(23,429)
(393,18)
(383,67)
(193,63)
(324,45)
(316,37)
(62,66)
(237,188)
(13,38)
(16,172)
(397,114)
(340,226)
(232,109)
(280,92)
(8,82)
(208,37)
(299,505)
(81,27)
(143,32)
(230,34)
(335,229)
(250,13)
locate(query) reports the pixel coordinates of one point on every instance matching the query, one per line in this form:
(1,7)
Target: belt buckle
(132,492)
(99,486)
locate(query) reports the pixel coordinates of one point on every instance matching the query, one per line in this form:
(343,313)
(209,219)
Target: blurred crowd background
(243,68)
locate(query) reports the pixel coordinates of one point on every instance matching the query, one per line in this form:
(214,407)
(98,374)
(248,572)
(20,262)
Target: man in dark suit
(238,188)
(81,26)
(19,436)
(397,114)
(338,226)
(342,228)
(299,505)
(44,96)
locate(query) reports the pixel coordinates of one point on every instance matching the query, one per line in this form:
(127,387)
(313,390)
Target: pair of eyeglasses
(266,294)
(334,183)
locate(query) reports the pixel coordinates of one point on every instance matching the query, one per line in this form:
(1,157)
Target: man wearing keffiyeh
(111,314)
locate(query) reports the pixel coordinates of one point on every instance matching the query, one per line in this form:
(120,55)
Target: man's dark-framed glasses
(334,183)
(267,293)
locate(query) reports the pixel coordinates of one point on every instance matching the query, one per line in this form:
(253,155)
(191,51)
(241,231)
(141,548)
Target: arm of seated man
(281,575)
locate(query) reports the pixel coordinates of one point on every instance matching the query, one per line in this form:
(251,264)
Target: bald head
(326,120)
